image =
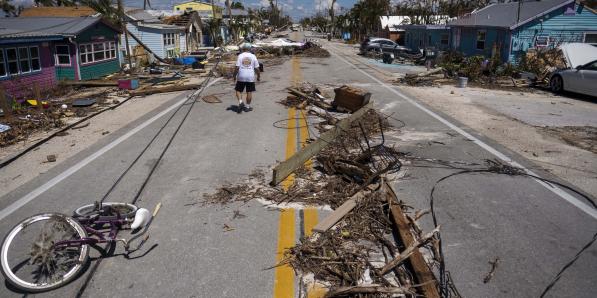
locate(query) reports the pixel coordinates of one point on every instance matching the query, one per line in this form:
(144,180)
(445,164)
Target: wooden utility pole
(124,31)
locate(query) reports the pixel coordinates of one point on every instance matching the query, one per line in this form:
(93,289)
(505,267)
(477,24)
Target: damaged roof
(60,11)
(28,27)
(505,15)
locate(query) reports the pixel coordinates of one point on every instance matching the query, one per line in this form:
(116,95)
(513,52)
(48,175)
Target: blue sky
(295,8)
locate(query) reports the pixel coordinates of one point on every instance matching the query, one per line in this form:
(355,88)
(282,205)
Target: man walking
(247,68)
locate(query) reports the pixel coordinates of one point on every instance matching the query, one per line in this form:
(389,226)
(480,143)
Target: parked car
(375,44)
(581,74)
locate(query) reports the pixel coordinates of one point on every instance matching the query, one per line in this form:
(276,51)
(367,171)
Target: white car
(581,77)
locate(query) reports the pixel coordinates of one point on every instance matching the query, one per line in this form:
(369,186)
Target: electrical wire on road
(193,97)
(495,167)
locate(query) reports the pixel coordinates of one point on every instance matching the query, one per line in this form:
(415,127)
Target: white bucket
(462,82)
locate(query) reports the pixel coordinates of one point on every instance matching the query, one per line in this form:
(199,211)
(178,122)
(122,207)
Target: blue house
(423,36)
(510,29)
(166,41)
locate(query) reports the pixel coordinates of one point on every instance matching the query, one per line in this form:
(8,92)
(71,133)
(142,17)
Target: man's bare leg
(249,97)
(239,96)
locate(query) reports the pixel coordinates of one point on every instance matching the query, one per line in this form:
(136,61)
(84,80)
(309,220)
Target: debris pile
(369,245)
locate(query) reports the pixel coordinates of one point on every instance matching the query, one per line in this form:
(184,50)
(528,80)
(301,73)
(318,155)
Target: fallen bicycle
(49,250)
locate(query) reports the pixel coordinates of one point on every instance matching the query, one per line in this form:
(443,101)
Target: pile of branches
(346,166)
(314,50)
(350,258)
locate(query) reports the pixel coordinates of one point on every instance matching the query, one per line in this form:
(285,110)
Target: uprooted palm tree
(105,8)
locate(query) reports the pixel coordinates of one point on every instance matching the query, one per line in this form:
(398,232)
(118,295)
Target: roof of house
(138,14)
(186,19)
(160,26)
(505,15)
(199,2)
(60,11)
(27,27)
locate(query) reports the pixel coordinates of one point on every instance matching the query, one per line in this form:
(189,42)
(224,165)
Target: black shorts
(240,86)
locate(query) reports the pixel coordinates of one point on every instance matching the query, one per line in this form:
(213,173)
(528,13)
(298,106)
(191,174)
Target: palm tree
(105,8)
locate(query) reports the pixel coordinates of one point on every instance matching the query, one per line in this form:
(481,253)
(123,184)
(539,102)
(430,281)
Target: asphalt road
(531,229)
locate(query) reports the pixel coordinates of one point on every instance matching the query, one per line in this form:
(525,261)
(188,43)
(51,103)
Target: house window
(445,39)
(541,41)
(97,52)
(13,63)
(34,55)
(2,64)
(19,60)
(169,39)
(481,36)
(62,55)
(112,49)
(591,37)
(24,60)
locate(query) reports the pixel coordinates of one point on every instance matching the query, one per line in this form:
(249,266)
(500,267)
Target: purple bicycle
(46,251)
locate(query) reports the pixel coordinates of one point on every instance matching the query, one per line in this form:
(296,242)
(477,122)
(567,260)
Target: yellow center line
(310,219)
(284,275)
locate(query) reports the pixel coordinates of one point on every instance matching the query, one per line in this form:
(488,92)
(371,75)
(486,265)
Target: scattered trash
(350,98)
(128,84)
(64,106)
(51,158)
(494,265)
(105,133)
(211,99)
(4,127)
(227,228)
(84,102)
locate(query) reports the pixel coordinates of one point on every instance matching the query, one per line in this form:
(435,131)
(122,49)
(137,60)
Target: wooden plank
(338,214)
(148,91)
(285,168)
(92,83)
(422,273)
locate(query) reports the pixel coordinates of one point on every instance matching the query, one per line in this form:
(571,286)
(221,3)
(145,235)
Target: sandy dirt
(36,162)
(556,133)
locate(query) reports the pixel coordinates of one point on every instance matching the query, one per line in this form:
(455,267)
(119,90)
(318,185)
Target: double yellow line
(297,135)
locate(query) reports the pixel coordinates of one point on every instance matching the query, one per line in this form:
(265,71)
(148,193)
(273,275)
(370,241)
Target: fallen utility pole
(144,46)
(149,91)
(422,273)
(285,168)
(92,83)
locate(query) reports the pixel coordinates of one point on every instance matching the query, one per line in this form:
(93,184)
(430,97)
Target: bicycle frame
(97,231)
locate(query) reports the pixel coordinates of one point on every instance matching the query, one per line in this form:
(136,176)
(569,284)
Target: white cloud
(324,5)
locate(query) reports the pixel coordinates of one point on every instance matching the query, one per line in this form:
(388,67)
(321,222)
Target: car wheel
(557,84)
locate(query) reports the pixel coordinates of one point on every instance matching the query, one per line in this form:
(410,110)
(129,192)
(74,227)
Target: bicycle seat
(142,217)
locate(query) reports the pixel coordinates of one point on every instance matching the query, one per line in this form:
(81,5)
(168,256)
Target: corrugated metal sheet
(44,26)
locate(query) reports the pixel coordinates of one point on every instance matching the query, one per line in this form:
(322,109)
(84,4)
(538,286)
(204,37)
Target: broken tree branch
(368,289)
(409,251)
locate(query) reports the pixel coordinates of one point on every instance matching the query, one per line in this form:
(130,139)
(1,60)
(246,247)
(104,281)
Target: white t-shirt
(246,63)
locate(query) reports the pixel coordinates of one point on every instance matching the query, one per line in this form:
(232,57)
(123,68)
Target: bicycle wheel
(124,209)
(32,263)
